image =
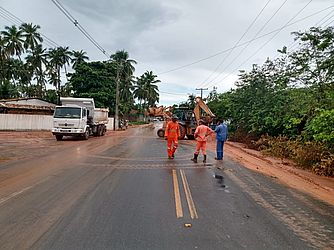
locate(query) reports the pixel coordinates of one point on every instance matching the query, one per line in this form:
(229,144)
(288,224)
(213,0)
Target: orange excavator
(188,119)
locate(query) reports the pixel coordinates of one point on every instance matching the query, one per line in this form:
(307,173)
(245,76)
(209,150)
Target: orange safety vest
(172,130)
(201,132)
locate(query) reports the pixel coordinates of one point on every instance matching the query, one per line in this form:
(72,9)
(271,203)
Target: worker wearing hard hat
(201,134)
(172,134)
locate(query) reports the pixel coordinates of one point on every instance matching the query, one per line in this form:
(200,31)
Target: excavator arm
(200,105)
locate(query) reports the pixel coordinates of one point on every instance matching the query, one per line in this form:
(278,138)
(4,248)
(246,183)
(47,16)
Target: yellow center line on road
(191,205)
(178,204)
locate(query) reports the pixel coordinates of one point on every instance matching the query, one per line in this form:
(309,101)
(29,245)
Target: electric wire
(293,46)
(247,45)
(241,44)
(80,28)
(169,93)
(268,41)
(17,21)
(243,35)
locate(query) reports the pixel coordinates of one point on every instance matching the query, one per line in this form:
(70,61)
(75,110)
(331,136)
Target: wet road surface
(121,192)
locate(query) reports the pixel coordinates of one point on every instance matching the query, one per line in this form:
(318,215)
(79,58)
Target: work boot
(204,160)
(195,158)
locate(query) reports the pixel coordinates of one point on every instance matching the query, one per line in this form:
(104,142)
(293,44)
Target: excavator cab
(188,119)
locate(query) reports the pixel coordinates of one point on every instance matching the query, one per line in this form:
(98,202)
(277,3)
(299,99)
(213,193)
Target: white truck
(79,117)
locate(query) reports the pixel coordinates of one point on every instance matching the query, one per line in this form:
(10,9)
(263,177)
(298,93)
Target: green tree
(94,80)
(78,58)
(32,38)
(58,58)
(13,40)
(37,62)
(124,69)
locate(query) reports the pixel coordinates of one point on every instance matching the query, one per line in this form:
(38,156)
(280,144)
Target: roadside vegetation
(28,69)
(286,106)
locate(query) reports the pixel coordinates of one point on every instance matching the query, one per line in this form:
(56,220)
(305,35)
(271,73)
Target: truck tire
(182,132)
(103,130)
(100,130)
(161,133)
(59,137)
(86,134)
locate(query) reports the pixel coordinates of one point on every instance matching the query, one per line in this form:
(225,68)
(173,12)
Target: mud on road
(18,146)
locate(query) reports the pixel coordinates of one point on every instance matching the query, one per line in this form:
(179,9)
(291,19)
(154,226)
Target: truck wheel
(86,134)
(161,133)
(59,137)
(100,130)
(182,132)
(103,130)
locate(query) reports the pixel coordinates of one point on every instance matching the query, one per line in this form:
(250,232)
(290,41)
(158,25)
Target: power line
(201,89)
(244,48)
(80,28)
(270,39)
(241,44)
(293,46)
(248,28)
(16,20)
(169,93)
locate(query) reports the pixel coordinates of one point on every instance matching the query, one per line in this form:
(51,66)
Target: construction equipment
(188,119)
(161,111)
(79,117)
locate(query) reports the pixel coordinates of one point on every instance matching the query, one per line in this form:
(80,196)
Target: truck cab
(70,120)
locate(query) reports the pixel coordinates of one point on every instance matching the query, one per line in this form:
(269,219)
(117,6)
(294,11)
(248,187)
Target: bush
(321,127)
(325,166)
(279,147)
(310,155)
(241,136)
(137,123)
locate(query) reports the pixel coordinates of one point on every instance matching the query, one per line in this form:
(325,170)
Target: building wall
(32,122)
(25,122)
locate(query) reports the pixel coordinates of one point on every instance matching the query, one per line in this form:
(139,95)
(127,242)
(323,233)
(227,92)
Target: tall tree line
(28,69)
(292,95)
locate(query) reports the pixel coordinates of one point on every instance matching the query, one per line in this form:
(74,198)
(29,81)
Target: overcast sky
(163,36)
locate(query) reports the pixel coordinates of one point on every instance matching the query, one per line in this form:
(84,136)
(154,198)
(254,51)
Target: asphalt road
(121,192)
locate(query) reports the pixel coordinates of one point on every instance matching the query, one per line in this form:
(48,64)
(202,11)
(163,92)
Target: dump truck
(188,119)
(79,117)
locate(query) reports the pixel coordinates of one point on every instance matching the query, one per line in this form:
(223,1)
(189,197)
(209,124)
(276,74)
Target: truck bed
(100,116)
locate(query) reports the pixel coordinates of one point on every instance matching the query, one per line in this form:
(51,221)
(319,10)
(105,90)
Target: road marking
(191,205)
(3,200)
(178,204)
(140,166)
(146,159)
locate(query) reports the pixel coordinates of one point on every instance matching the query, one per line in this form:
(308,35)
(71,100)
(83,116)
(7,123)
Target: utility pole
(116,122)
(201,89)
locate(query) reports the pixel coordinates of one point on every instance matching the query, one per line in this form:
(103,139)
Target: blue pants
(220,150)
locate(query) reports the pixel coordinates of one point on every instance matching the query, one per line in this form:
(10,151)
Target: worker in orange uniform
(172,134)
(201,133)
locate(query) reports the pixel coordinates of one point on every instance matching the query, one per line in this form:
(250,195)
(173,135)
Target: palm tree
(13,39)
(121,58)
(32,37)
(3,59)
(58,58)
(151,90)
(78,58)
(37,61)
(66,57)
(139,91)
(124,71)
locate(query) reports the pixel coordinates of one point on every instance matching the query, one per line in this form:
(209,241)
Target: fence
(32,122)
